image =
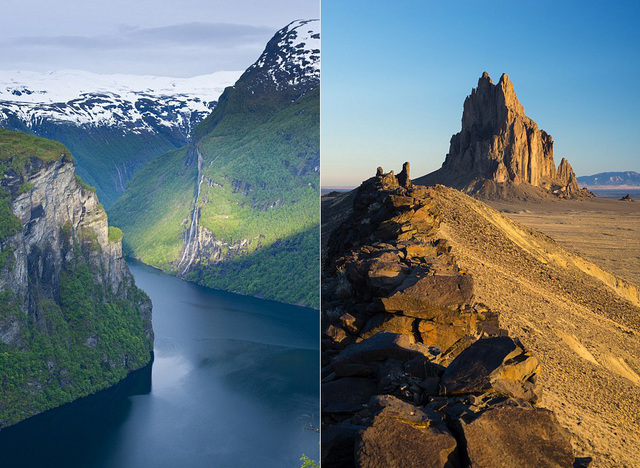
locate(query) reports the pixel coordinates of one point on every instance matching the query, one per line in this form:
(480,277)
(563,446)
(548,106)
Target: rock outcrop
(416,372)
(71,319)
(500,152)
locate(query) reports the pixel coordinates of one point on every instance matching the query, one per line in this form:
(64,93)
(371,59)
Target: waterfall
(191,247)
(120,179)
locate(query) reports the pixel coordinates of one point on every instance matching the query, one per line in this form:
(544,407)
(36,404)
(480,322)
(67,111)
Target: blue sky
(395,76)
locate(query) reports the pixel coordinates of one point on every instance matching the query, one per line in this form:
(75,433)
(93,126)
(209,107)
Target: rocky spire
(566,177)
(499,143)
(404,178)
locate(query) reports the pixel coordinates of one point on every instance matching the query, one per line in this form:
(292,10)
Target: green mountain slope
(238,209)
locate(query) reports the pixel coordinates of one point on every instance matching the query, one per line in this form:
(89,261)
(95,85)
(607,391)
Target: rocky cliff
(500,152)
(71,319)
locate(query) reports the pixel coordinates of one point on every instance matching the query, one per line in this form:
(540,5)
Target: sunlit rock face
(499,144)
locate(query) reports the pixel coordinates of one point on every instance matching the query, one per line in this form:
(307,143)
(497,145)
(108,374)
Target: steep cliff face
(71,319)
(499,145)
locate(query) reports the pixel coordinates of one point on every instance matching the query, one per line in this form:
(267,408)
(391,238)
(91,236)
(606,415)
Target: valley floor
(604,231)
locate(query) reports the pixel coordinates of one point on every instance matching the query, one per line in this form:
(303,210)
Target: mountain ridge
(622,179)
(59,95)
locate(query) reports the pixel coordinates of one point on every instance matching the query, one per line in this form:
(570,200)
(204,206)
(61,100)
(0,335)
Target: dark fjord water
(234,384)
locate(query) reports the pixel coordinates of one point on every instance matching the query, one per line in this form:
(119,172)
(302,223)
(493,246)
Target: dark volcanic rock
(355,359)
(337,445)
(428,296)
(517,437)
(388,323)
(499,145)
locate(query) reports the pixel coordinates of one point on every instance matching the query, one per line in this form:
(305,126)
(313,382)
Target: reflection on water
(234,383)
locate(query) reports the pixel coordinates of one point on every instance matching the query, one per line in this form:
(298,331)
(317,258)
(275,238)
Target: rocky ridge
(66,293)
(416,371)
(500,152)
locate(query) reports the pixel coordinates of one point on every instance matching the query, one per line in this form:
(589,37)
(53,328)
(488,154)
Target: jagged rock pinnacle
(500,144)
(403,178)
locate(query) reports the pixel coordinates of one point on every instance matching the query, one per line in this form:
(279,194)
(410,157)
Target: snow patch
(139,103)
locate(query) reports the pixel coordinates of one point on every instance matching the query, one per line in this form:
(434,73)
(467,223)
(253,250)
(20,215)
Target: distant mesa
(500,152)
(611,180)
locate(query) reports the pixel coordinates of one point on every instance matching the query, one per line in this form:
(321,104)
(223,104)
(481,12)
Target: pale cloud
(179,38)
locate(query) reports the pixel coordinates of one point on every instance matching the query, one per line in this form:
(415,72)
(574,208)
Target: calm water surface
(234,384)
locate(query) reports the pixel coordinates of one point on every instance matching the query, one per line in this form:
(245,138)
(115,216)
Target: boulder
(378,348)
(389,323)
(384,276)
(442,336)
(395,441)
(517,437)
(495,364)
(426,296)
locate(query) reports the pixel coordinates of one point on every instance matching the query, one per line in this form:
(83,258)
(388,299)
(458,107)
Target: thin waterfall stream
(190,249)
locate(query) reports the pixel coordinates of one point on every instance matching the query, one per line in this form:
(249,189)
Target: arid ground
(563,275)
(604,231)
(581,321)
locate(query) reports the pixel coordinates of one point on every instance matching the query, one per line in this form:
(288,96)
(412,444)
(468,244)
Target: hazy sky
(179,38)
(395,76)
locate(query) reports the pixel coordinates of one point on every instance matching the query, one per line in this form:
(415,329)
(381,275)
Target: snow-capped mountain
(290,59)
(113,124)
(137,103)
